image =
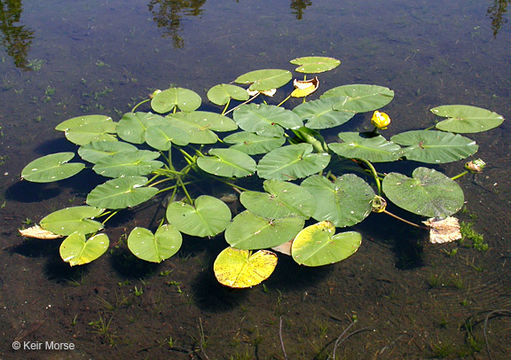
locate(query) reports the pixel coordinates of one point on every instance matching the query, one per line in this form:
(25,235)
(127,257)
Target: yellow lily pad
(242,269)
(304,88)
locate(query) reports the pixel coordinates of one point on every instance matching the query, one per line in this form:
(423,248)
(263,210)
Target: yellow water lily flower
(304,88)
(380,120)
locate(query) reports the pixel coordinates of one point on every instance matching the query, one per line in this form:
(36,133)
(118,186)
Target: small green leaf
(128,163)
(120,193)
(360,97)
(266,79)
(154,247)
(51,168)
(76,251)
(466,119)
(220,94)
(373,149)
(315,64)
(320,113)
(227,163)
(73,219)
(253,144)
(185,99)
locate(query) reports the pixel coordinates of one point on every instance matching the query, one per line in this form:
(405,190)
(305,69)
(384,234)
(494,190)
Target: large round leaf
(83,121)
(162,137)
(281,199)
(292,162)
(77,251)
(253,144)
(373,149)
(360,97)
(184,99)
(242,269)
(344,202)
(198,133)
(466,119)
(132,126)
(265,119)
(210,120)
(249,231)
(97,150)
(72,219)
(128,163)
(266,79)
(317,245)
(428,192)
(120,193)
(320,113)
(315,64)
(435,147)
(228,163)
(154,247)
(87,133)
(221,94)
(51,168)
(208,216)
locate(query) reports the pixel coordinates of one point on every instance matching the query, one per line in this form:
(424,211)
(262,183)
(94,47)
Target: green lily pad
(132,126)
(344,202)
(243,269)
(435,147)
(211,121)
(83,121)
(320,113)
(97,150)
(428,192)
(466,119)
(316,245)
(208,216)
(228,163)
(128,163)
(75,250)
(84,134)
(120,193)
(154,247)
(292,162)
(374,149)
(281,199)
(162,137)
(249,231)
(51,168)
(360,97)
(73,219)
(266,120)
(266,79)
(185,99)
(198,134)
(253,144)
(315,64)
(221,94)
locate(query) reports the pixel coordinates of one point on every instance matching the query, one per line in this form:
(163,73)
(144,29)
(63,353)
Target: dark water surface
(60,59)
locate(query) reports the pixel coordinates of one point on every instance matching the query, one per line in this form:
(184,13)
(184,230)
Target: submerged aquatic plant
(305,197)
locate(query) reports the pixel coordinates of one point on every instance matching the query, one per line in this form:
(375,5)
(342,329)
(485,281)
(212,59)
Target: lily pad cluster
(294,194)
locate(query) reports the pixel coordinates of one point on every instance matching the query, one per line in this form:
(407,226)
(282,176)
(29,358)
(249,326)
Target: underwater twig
(280,337)
(202,339)
(497,313)
(243,103)
(340,337)
(340,340)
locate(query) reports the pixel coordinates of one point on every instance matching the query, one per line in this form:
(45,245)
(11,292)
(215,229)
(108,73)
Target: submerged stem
(405,221)
(283,101)
(140,103)
(243,103)
(460,175)
(109,217)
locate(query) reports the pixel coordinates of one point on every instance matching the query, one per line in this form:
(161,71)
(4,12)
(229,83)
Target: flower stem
(140,103)
(404,220)
(109,217)
(374,173)
(226,106)
(283,101)
(243,103)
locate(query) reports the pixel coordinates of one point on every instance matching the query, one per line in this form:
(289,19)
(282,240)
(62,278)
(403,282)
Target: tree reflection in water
(298,6)
(496,13)
(16,38)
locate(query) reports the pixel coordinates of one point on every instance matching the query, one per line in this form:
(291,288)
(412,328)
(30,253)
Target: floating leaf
(51,168)
(129,163)
(76,251)
(360,97)
(435,147)
(292,162)
(466,119)
(84,134)
(316,245)
(373,149)
(242,269)
(315,64)
(185,99)
(249,231)
(38,232)
(208,216)
(282,199)
(428,192)
(344,202)
(211,121)
(265,79)
(73,219)
(120,193)
(162,137)
(320,114)
(83,121)
(132,126)
(221,94)
(97,150)
(253,144)
(198,133)
(265,119)
(228,163)
(154,247)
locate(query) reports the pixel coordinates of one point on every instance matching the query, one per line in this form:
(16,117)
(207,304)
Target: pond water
(412,300)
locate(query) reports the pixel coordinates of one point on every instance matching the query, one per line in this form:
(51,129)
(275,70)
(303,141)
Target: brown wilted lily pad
(38,232)
(305,87)
(443,230)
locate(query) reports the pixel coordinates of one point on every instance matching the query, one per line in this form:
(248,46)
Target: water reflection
(16,38)
(298,6)
(496,13)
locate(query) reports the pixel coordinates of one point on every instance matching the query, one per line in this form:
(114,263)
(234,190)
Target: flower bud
(380,120)
(156,92)
(378,204)
(475,166)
